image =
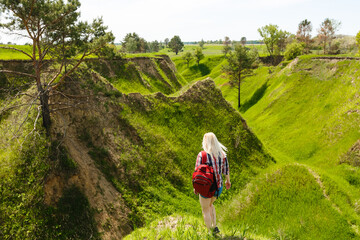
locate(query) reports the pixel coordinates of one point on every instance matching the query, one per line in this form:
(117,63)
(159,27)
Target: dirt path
(318,180)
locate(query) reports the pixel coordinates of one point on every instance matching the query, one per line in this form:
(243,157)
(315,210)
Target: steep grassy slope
(307,111)
(290,203)
(140,74)
(146,145)
(116,161)
(210,66)
(304,111)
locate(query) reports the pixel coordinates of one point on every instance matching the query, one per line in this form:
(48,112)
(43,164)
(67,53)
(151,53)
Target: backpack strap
(203,157)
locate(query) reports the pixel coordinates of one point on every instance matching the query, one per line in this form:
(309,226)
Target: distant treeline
(214,42)
(222,42)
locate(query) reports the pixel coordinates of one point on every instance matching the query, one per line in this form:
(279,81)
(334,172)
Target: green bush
(293,50)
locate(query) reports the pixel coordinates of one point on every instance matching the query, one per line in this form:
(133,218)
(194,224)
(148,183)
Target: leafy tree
(327,30)
(176,44)
(282,41)
(240,64)
(143,46)
(271,36)
(358,40)
(202,43)
(293,50)
(56,33)
(187,57)
(243,41)
(154,46)
(227,45)
(303,34)
(133,43)
(198,55)
(166,41)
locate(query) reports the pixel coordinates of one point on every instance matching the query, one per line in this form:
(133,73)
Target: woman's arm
(226,172)
(227,181)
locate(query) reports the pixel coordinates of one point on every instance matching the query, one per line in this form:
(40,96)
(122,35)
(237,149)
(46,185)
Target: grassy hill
(306,112)
(116,161)
(122,158)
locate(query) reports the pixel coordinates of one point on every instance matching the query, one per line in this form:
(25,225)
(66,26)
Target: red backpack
(203,178)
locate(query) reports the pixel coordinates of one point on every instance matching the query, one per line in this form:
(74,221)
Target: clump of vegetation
(293,50)
(352,156)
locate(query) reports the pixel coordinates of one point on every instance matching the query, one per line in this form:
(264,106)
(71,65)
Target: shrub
(293,50)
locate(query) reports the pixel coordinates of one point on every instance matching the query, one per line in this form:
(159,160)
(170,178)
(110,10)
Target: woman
(216,157)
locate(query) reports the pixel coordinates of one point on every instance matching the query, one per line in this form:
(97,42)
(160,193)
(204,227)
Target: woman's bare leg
(213,212)
(208,211)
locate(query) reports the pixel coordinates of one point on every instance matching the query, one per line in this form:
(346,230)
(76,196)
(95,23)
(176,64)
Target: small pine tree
(240,64)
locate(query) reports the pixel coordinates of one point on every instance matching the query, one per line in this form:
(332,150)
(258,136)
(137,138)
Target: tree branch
(19,50)
(27,114)
(71,71)
(19,73)
(35,122)
(56,75)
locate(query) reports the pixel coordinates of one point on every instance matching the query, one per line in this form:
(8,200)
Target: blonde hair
(212,146)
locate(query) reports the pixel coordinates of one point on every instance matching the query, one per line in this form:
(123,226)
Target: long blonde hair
(211,145)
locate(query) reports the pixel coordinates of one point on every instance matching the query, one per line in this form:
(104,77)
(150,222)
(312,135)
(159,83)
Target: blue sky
(194,20)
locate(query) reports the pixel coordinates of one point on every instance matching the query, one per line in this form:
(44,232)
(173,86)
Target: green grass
(155,141)
(305,113)
(144,76)
(210,66)
(302,113)
(9,54)
(184,226)
(288,204)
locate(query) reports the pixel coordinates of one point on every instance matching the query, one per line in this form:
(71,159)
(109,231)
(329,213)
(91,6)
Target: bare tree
(303,34)
(327,30)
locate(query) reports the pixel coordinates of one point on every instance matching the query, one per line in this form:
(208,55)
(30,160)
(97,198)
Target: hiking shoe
(216,230)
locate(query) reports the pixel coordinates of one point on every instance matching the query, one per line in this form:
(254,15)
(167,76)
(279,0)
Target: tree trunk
(45,111)
(239,90)
(44,98)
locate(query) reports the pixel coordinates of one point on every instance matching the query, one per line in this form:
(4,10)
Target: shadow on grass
(255,98)
(202,68)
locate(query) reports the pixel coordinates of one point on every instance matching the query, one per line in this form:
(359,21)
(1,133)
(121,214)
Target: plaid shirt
(221,166)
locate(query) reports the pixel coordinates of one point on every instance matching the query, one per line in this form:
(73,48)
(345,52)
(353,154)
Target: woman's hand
(195,192)
(227,184)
